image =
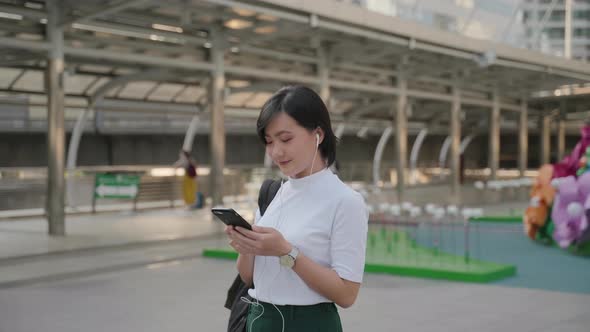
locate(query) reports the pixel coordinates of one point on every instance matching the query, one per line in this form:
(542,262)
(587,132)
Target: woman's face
(291,146)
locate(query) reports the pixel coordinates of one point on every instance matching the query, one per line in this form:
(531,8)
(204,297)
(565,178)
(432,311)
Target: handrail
(25,187)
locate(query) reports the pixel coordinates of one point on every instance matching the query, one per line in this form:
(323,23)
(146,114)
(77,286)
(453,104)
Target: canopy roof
(154,56)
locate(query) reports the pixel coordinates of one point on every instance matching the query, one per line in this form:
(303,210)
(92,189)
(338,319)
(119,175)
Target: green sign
(116,186)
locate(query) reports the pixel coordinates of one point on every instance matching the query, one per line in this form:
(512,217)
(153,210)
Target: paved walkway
(125,271)
(25,237)
(188,294)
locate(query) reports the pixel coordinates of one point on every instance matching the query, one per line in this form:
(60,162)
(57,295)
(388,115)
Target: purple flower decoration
(571,229)
(569,213)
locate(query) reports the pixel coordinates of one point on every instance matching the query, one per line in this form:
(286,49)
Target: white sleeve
(349,238)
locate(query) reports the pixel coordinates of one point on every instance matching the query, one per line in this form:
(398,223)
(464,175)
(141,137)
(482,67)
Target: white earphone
(317,139)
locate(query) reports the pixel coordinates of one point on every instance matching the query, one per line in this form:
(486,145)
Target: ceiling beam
(122,5)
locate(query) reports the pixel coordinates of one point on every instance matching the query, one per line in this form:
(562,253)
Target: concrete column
(545,137)
(523,137)
(401,135)
(217,135)
(494,137)
(324,73)
(455,134)
(54,80)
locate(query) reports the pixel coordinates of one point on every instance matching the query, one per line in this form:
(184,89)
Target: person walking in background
(189,183)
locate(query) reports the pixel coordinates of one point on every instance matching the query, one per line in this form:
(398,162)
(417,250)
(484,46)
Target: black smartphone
(230,217)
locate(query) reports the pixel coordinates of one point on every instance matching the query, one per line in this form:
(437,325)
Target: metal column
(54,79)
(523,138)
(401,135)
(455,133)
(494,137)
(545,137)
(217,135)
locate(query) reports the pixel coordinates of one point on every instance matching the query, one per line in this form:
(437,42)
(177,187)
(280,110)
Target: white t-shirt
(327,221)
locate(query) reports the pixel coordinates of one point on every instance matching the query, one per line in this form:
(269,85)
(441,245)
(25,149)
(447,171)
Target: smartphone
(230,217)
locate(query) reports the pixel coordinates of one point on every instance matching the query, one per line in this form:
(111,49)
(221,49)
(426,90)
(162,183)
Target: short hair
(307,109)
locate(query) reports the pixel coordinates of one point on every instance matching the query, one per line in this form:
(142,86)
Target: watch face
(287,261)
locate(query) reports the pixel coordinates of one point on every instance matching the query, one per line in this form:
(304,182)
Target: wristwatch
(288,260)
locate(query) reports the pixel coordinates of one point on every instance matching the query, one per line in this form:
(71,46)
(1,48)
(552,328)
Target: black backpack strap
(267,193)
(262,194)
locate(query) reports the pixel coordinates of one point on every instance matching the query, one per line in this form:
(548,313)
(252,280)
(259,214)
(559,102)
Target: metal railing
(25,188)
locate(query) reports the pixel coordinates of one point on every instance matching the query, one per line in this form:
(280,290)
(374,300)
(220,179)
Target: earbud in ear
(317,139)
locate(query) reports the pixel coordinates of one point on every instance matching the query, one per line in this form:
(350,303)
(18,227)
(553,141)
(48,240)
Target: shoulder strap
(267,193)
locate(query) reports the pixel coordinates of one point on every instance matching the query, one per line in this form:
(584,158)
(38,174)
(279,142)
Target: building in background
(546,21)
(498,20)
(534,24)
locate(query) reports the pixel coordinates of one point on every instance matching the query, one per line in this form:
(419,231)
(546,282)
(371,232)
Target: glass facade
(545,22)
(498,20)
(533,24)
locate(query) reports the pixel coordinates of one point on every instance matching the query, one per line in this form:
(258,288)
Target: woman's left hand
(261,241)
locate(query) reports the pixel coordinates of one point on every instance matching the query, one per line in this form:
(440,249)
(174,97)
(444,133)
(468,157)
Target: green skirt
(322,317)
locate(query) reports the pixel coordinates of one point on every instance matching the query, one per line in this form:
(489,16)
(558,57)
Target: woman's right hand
(231,233)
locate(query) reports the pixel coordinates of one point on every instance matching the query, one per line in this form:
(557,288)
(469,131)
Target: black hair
(307,109)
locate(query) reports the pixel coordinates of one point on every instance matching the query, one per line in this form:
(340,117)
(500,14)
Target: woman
(308,250)
(189,183)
